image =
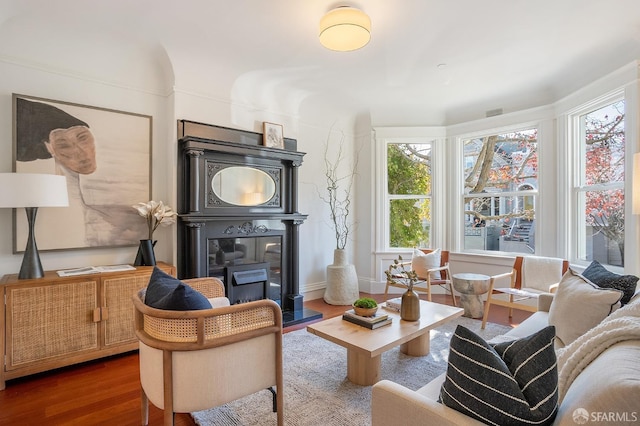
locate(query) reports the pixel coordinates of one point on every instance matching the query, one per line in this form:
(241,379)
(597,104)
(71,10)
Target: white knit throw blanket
(541,272)
(623,324)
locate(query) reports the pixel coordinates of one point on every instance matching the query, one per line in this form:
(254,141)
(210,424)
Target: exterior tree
(500,163)
(501,169)
(408,171)
(604,164)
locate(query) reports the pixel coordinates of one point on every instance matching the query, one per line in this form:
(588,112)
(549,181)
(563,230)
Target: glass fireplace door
(226,254)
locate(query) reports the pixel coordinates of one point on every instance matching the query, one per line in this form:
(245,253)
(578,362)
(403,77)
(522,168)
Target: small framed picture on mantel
(273,135)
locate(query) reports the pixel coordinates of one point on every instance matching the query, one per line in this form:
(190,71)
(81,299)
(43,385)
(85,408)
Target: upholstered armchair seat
(195,360)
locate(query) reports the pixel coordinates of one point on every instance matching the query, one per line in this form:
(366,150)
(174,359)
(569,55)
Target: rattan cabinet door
(46,323)
(118,322)
(117,313)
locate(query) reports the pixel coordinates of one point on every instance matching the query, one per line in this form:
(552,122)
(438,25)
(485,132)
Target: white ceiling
(429,62)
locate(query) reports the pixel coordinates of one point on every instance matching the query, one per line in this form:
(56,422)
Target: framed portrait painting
(272,135)
(106,157)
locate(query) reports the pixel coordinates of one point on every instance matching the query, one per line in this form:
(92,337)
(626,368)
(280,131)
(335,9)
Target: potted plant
(365,307)
(410,302)
(156,213)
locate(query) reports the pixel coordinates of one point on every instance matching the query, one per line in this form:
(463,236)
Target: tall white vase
(342,281)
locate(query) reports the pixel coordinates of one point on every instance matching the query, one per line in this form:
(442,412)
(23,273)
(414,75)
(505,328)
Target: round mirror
(243,186)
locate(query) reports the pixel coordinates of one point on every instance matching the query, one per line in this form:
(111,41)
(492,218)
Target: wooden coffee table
(365,347)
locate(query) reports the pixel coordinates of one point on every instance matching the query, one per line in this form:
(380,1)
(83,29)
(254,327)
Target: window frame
(577,149)
(388,198)
(535,193)
(435,136)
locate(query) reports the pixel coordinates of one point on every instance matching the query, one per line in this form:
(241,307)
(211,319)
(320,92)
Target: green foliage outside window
(409,189)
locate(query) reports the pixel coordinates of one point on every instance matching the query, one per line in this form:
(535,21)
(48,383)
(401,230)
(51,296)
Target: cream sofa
(608,388)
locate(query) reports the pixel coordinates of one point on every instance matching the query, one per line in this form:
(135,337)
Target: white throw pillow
(578,306)
(421,262)
(219,302)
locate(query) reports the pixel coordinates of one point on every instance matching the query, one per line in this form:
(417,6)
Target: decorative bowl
(365,312)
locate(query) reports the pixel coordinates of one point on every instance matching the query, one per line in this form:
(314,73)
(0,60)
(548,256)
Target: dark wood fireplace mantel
(238,206)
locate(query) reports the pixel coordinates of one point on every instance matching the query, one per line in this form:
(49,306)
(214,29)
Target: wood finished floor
(107,391)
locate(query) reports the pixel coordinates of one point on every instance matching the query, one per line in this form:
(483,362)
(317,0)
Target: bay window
(500,191)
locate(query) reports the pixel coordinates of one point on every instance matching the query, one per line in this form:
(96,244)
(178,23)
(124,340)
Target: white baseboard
(316,290)
(313,294)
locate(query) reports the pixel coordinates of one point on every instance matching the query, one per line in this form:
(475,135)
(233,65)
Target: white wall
(35,81)
(320,126)
(82,65)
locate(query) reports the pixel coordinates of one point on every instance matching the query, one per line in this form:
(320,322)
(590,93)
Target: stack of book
(376,321)
(393,304)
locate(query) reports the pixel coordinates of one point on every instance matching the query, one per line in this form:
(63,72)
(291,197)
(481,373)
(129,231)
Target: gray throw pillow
(509,383)
(578,306)
(600,276)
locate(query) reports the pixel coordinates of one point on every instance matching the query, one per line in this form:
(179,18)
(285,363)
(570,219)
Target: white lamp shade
(33,190)
(636,184)
(344,29)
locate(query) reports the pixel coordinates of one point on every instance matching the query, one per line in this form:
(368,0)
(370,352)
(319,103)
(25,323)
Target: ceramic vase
(145,255)
(410,306)
(342,281)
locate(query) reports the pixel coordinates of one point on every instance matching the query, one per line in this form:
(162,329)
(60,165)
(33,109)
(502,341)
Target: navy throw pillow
(600,276)
(167,292)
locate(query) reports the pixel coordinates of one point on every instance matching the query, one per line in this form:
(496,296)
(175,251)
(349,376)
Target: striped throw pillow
(509,383)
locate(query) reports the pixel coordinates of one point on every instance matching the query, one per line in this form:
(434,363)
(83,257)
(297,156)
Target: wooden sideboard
(54,321)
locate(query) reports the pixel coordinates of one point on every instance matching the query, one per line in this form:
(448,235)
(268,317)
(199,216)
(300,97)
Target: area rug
(317,391)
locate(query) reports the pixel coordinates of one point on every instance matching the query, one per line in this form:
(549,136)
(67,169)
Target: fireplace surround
(238,215)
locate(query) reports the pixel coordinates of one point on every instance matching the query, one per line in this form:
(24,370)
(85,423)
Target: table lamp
(32,190)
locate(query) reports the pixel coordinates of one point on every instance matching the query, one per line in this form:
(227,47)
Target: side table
(471,286)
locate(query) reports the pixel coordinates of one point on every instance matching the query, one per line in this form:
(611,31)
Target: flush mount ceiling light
(344,29)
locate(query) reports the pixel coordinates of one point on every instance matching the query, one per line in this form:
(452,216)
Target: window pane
(603,228)
(604,145)
(409,169)
(500,223)
(494,165)
(501,163)
(601,193)
(409,222)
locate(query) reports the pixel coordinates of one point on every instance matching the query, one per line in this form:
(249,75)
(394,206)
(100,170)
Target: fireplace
(248,282)
(238,218)
(235,260)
